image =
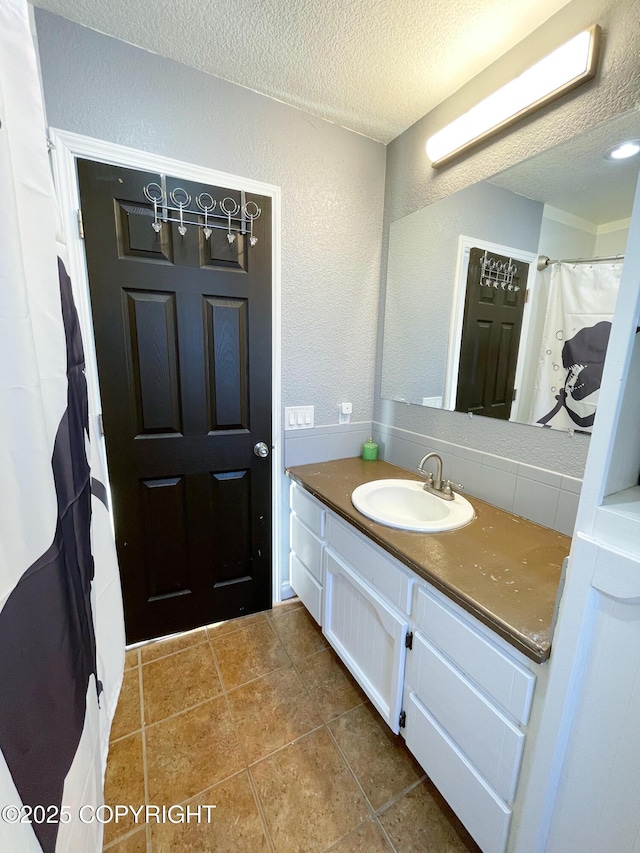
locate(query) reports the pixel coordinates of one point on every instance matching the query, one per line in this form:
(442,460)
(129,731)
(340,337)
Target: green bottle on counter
(370,450)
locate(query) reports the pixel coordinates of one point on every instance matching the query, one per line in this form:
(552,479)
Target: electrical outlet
(344,413)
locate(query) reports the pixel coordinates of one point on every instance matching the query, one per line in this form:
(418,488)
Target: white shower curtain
(61,625)
(580,308)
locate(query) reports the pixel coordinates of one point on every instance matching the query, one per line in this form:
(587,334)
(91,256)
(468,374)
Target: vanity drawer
(479,808)
(389,578)
(502,677)
(308,509)
(307,547)
(306,587)
(491,742)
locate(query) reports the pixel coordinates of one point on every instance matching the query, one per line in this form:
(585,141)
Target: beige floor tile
(421,822)
(235,825)
(300,635)
(231,625)
(136,843)
(124,783)
(271,712)
(285,607)
(161,648)
(131,658)
(330,684)
(249,653)
(368,838)
(308,795)
(177,682)
(127,718)
(383,769)
(191,752)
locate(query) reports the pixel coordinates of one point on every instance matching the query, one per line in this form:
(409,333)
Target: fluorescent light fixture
(624,150)
(566,68)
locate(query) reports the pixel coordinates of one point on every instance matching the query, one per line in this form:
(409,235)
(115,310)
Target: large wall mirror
(472,325)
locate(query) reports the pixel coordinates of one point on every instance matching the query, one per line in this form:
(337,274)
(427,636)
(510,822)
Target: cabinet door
(368,634)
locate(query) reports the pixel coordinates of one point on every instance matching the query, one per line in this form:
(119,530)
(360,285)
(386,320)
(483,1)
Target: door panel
(226,363)
(183,338)
(490,340)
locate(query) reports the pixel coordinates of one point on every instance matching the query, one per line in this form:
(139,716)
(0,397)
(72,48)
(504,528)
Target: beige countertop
(501,568)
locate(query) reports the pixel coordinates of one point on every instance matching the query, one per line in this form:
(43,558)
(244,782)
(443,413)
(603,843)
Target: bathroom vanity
(447,633)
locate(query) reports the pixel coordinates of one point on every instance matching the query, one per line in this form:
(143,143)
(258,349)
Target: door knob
(261,449)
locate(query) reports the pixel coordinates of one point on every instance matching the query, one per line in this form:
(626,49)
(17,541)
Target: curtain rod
(545,261)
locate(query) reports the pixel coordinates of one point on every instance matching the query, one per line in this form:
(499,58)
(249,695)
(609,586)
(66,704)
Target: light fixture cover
(562,70)
(624,150)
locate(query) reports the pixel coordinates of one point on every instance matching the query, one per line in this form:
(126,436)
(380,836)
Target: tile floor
(258,717)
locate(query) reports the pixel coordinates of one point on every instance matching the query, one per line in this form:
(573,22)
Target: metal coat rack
(233,213)
(495,273)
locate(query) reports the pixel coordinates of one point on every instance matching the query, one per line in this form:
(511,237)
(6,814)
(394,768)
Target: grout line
(257,678)
(213,634)
(347,835)
(350,769)
(260,807)
(173,654)
(386,836)
(285,745)
(252,785)
(385,806)
(144,756)
(182,711)
(112,844)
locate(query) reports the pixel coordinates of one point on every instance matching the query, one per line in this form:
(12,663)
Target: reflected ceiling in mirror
(468,318)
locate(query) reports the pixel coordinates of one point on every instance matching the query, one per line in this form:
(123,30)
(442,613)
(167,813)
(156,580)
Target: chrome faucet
(435,484)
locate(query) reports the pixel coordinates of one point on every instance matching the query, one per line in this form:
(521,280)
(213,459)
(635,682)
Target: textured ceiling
(374,66)
(575,176)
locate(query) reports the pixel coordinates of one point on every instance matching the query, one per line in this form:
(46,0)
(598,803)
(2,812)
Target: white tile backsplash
(536,501)
(546,497)
(540,475)
(499,487)
(543,496)
(467,472)
(567,512)
(571,484)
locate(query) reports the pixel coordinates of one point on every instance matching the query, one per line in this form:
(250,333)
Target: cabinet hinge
(526,295)
(80,225)
(403,719)
(408,640)
(515,394)
(100,424)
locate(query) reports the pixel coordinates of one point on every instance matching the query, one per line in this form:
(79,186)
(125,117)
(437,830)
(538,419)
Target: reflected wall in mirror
(472,325)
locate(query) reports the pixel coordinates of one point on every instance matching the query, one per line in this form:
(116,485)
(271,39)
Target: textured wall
(412,183)
(332,183)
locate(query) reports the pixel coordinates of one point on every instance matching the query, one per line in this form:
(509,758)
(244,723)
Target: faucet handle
(448,487)
(426,474)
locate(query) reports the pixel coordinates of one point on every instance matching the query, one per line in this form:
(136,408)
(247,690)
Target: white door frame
(67,147)
(465,244)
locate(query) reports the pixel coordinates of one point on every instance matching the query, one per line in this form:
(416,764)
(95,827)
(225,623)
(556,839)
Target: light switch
(298,417)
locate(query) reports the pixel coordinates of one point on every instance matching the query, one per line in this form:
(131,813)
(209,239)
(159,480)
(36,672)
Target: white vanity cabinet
(460,695)
(307,522)
(467,701)
(367,597)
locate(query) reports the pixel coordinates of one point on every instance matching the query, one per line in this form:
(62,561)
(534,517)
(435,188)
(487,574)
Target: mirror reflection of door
(494,305)
(182,322)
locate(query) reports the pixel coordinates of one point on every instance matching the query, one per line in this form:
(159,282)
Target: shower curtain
(61,625)
(580,308)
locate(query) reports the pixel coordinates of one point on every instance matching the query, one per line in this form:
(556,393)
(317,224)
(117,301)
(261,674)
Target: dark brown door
(490,336)
(183,339)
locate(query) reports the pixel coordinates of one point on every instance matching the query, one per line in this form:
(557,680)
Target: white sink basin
(406,505)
